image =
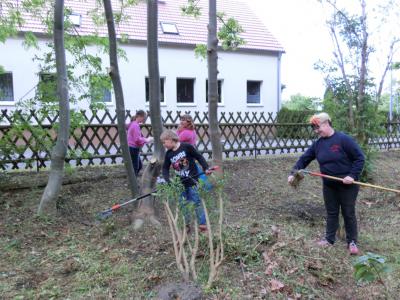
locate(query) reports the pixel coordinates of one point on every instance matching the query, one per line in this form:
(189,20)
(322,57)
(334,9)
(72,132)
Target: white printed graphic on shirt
(180,164)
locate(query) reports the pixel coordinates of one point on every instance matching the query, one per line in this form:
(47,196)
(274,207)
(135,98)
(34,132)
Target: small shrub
(370,267)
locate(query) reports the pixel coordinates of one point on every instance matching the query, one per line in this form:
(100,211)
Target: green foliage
(369,120)
(10,23)
(302,103)
(294,124)
(89,85)
(229,33)
(370,267)
(200,51)
(191,9)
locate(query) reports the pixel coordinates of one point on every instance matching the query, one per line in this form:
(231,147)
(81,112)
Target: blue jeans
(191,194)
(136,161)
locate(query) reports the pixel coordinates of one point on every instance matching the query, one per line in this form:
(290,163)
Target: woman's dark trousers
(339,196)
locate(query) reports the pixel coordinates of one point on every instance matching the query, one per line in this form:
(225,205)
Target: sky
(299,25)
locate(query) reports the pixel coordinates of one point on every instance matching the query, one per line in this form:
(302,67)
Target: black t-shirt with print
(183,162)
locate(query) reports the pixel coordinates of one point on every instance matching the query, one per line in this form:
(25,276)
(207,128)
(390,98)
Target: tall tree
(353,95)
(119,98)
(229,37)
(212,59)
(348,78)
(149,177)
(60,149)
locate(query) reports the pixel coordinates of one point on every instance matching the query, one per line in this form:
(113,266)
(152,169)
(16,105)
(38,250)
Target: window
(219,91)
(169,28)
(6,87)
(100,89)
(73,18)
(47,87)
(253,92)
(76,19)
(162,81)
(184,90)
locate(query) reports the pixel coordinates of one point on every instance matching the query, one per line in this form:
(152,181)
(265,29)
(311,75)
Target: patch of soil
(258,197)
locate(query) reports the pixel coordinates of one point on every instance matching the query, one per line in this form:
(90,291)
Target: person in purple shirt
(340,156)
(136,139)
(186,131)
(187,134)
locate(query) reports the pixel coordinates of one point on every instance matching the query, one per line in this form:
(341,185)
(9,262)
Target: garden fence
(27,138)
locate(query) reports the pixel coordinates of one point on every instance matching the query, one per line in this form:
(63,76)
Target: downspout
(279,90)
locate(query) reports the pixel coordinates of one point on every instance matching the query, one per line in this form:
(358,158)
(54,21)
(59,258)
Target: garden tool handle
(354,182)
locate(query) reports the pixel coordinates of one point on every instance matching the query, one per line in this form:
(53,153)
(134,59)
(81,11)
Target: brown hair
(188,118)
(139,113)
(169,135)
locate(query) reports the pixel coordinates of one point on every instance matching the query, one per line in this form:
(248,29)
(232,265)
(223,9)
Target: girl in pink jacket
(136,139)
(187,134)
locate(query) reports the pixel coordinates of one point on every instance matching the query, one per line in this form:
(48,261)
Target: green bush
(293,124)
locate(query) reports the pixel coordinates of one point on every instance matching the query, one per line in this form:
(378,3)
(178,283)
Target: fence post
(255,140)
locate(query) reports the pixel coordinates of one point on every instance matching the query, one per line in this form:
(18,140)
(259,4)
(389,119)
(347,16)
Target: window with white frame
(185,90)
(162,82)
(6,87)
(169,28)
(219,91)
(253,92)
(47,87)
(100,89)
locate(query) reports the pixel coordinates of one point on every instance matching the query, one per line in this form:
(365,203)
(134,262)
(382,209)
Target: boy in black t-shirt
(182,157)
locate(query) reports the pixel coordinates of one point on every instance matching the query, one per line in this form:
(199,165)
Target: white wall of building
(235,68)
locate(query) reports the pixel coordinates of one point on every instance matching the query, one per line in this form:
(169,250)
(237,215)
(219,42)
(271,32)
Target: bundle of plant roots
(298,176)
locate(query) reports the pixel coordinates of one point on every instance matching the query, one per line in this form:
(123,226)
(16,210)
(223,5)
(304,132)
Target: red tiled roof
(191,31)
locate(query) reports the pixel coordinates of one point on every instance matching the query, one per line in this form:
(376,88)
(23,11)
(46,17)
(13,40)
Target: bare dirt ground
(270,234)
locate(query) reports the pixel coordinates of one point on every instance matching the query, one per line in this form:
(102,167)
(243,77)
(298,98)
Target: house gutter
(279,90)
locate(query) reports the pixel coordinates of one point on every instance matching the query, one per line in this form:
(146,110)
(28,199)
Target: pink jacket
(135,137)
(187,136)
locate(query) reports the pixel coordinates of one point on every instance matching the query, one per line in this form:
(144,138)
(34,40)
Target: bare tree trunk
(362,137)
(149,178)
(154,76)
(119,98)
(212,57)
(60,149)
(341,64)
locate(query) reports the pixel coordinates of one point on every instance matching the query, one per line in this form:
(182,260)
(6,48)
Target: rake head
(298,177)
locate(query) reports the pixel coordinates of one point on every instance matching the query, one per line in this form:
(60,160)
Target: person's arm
(356,156)
(165,169)
(303,162)
(196,154)
(305,159)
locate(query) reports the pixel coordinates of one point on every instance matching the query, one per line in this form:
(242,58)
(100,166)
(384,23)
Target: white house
(249,78)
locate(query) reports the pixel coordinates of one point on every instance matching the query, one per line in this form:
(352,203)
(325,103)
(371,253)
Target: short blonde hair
(320,118)
(169,135)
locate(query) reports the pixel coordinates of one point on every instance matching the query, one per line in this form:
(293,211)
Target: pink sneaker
(353,249)
(203,228)
(324,243)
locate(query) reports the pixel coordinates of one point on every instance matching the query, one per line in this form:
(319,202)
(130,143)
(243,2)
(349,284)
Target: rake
(109,211)
(354,182)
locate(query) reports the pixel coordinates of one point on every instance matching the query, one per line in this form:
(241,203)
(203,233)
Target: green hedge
(294,124)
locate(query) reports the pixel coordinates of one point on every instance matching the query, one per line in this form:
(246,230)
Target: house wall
(235,68)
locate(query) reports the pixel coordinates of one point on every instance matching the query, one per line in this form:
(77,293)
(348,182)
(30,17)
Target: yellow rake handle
(354,182)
